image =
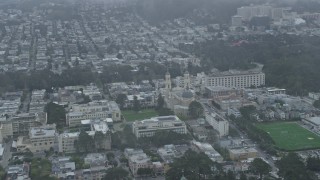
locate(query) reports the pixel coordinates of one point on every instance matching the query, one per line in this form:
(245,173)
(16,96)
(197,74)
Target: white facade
(137,159)
(66,142)
(237,80)
(219,124)
(42,138)
(148,127)
(236,21)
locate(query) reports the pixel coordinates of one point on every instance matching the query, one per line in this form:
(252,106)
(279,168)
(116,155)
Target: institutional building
(93,110)
(148,127)
(236,79)
(39,139)
(19,125)
(42,138)
(242,153)
(66,140)
(218,123)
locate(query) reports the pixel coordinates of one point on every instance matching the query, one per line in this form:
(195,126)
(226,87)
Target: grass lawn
(130,115)
(290,136)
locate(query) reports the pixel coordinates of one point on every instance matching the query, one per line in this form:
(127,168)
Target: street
(6,154)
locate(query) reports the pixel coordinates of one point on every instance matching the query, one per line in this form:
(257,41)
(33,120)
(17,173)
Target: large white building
(248,12)
(39,139)
(148,127)
(93,110)
(236,79)
(42,138)
(66,142)
(218,123)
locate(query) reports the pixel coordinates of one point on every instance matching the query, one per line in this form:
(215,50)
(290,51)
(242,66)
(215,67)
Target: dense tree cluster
(260,167)
(317,104)
(56,114)
(246,123)
(291,167)
(198,166)
(40,169)
(45,79)
(195,109)
(290,61)
(116,173)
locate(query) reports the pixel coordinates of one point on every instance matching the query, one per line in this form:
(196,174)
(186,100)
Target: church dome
(187,94)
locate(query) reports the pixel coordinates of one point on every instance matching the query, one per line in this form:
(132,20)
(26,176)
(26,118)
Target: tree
(121,100)
(2,173)
(99,139)
(313,164)
(56,114)
(243,176)
(110,156)
(160,102)
(194,166)
(117,173)
(119,56)
(79,162)
(195,109)
(85,142)
(136,104)
(144,171)
(40,169)
(292,168)
(316,104)
(260,167)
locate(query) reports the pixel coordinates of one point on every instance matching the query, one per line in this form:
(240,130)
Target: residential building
(19,172)
(137,159)
(236,21)
(207,149)
(148,127)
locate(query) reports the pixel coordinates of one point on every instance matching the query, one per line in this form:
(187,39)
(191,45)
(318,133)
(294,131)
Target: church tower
(168,81)
(186,80)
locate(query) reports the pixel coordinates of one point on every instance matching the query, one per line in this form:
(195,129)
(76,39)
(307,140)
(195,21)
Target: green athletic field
(290,136)
(130,115)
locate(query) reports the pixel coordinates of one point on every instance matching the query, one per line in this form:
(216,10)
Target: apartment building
(137,159)
(148,127)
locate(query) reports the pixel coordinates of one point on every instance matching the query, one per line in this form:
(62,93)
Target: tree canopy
(116,173)
(193,166)
(291,167)
(260,167)
(56,114)
(195,109)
